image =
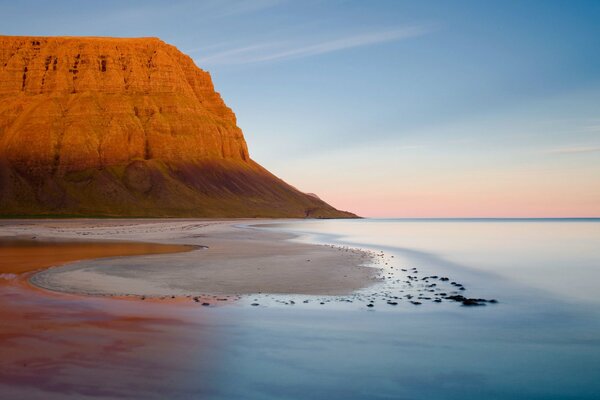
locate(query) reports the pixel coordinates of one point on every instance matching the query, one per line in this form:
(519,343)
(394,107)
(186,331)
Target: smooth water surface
(559,257)
(541,341)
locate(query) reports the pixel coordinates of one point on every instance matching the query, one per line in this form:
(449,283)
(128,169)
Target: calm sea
(540,341)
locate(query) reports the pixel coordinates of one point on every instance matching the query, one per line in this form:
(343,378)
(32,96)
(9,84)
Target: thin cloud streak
(257,53)
(575,150)
(236,51)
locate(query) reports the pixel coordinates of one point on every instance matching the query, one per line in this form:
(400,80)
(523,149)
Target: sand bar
(230,259)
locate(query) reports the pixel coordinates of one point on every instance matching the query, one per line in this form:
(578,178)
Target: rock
(416,303)
(456,297)
(467,301)
(254,304)
(370,305)
(126,127)
(392,303)
(472,302)
(206,304)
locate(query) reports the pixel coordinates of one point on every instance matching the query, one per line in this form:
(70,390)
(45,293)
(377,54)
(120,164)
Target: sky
(390,108)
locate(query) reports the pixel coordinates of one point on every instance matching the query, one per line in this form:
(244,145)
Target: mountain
(126,127)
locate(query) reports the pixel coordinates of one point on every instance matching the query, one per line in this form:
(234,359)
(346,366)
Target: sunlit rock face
(126,127)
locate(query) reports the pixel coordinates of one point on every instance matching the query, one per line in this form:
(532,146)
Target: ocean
(539,340)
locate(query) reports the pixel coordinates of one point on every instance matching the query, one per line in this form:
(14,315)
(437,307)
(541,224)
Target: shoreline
(236,260)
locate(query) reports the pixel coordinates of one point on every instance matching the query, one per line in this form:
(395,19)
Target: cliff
(126,127)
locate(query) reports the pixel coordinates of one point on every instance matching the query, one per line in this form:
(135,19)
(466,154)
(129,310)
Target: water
(541,341)
(557,258)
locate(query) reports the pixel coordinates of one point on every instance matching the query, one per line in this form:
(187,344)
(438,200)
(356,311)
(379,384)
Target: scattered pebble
(398,285)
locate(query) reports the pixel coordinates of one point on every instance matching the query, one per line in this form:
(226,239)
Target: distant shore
(231,259)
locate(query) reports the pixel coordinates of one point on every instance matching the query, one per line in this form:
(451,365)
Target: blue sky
(390,108)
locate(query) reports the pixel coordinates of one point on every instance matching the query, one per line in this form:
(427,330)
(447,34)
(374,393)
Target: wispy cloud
(575,150)
(280,51)
(234,52)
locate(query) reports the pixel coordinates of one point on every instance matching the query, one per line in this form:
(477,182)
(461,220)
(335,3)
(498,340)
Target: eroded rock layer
(126,127)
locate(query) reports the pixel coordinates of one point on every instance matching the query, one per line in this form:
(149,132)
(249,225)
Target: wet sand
(59,346)
(26,255)
(229,260)
(56,344)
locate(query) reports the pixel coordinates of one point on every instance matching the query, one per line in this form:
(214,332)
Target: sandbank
(229,258)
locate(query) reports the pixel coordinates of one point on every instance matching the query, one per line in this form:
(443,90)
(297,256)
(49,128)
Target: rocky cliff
(126,127)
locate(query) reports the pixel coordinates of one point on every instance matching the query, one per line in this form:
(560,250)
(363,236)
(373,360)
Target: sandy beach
(230,258)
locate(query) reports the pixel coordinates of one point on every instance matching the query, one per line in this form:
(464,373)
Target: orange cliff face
(126,127)
(94,102)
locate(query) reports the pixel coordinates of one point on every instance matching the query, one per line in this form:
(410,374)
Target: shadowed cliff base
(123,128)
(150,188)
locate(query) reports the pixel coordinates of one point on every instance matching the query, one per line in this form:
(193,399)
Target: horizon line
(487,218)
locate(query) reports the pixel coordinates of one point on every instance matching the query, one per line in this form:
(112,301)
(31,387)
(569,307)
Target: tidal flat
(539,340)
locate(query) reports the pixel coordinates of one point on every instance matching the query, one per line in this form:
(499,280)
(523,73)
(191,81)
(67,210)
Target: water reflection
(61,346)
(73,347)
(540,347)
(20,255)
